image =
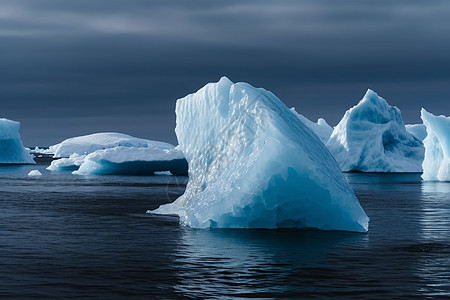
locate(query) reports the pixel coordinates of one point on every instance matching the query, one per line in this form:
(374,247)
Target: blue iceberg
(111,153)
(436,165)
(371,137)
(11,147)
(254,164)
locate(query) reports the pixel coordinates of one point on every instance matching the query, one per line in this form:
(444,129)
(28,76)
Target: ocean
(64,236)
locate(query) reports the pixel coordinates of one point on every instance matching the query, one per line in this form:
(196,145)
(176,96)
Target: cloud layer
(76,67)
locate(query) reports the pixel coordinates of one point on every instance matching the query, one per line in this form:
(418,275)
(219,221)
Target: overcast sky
(69,67)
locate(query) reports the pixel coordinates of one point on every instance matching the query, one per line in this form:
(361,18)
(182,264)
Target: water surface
(68,236)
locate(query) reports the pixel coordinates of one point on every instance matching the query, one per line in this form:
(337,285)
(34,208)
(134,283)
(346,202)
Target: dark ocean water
(66,236)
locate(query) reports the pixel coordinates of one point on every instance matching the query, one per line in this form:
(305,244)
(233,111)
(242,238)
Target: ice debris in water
(34,173)
(254,164)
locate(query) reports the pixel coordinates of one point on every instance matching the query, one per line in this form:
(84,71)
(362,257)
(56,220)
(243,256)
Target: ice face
(86,144)
(417,130)
(133,161)
(436,165)
(11,147)
(371,137)
(321,128)
(254,164)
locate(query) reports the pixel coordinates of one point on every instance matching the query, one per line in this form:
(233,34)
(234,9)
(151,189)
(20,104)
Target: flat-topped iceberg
(83,145)
(116,154)
(371,137)
(254,164)
(12,150)
(133,161)
(321,128)
(436,165)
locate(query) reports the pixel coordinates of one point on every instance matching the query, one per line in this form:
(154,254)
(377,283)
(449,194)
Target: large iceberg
(116,154)
(436,165)
(321,128)
(11,147)
(371,137)
(254,164)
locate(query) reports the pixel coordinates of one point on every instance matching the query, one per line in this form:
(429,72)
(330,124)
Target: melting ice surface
(11,147)
(436,165)
(371,137)
(118,154)
(321,128)
(254,164)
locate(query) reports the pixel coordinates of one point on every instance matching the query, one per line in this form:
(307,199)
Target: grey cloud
(107,60)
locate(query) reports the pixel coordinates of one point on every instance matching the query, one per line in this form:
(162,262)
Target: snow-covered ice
(86,144)
(12,150)
(371,137)
(118,154)
(254,164)
(417,130)
(321,128)
(436,165)
(34,173)
(71,163)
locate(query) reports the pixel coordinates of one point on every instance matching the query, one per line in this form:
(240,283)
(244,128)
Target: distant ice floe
(116,154)
(254,164)
(436,165)
(371,137)
(12,150)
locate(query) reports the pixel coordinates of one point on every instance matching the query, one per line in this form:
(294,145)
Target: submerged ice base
(371,137)
(11,147)
(436,165)
(254,164)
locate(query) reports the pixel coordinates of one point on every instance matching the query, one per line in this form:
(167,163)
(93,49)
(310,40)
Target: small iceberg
(254,164)
(12,150)
(116,154)
(436,165)
(133,161)
(371,137)
(34,173)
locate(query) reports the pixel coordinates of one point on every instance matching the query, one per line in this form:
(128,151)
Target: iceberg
(417,130)
(116,154)
(133,161)
(12,150)
(254,164)
(436,165)
(71,163)
(83,145)
(371,137)
(321,128)
(34,173)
